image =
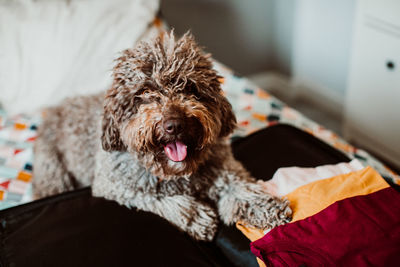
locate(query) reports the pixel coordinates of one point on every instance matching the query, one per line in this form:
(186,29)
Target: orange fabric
(260,117)
(24,176)
(251,233)
(260,262)
(262,94)
(311,198)
(20,126)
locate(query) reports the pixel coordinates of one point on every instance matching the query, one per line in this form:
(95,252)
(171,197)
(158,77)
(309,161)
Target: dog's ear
(128,70)
(110,137)
(228,119)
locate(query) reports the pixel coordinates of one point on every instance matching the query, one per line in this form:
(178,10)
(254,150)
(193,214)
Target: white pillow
(51,49)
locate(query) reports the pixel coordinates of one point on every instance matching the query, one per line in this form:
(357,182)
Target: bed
(276,133)
(255,109)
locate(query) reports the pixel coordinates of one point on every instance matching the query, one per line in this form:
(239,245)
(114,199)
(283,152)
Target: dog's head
(166,106)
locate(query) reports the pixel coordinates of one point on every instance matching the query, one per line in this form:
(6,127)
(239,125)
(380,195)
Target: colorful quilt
(17,135)
(254,108)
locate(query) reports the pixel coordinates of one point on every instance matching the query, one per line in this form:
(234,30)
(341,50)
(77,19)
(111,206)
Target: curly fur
(114,142)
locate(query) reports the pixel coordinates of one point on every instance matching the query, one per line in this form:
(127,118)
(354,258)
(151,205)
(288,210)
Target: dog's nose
(173,126)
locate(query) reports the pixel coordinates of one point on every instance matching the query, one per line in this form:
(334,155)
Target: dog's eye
(145,93)
(147,88)
(141,91)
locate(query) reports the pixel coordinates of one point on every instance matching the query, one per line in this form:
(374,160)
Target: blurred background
(335,61)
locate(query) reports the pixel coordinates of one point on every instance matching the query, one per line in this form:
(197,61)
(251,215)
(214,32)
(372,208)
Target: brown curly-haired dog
(157,141)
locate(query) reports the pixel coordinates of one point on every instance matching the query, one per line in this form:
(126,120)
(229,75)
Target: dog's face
(166,106)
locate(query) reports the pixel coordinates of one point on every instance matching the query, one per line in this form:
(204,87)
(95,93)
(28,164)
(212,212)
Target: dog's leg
(49,174)
(241,198)
(119,178)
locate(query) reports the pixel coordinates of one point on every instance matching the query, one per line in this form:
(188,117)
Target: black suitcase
(75,229)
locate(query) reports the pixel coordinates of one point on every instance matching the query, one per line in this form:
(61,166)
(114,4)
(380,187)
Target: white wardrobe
(372,107)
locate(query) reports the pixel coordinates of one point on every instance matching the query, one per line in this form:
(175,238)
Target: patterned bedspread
(17,135)
(254,108)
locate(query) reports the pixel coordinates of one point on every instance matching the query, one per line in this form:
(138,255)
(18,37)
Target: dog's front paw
(268,212)
(204,223)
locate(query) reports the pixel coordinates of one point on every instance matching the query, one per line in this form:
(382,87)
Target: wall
(321,44)
(237,33)
(282,35)
(309,39)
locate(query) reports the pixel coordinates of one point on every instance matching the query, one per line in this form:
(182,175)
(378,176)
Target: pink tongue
(176,151)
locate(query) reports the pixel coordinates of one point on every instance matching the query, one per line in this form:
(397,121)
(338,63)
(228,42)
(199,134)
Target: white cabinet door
(387,11)
(372,116)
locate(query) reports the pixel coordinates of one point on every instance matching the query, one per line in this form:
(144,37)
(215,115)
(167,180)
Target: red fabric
(357,231)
